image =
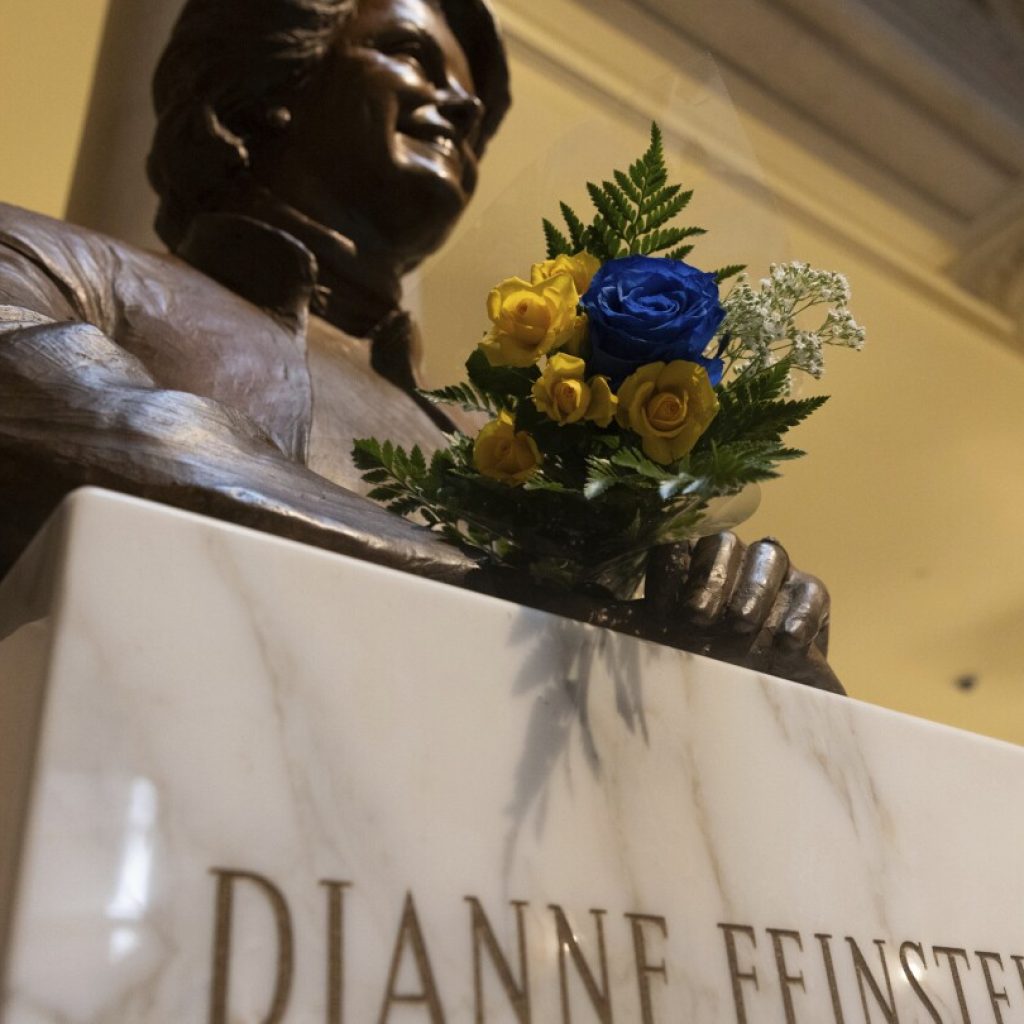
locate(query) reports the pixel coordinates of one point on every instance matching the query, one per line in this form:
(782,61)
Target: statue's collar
(265,265)
(272,269)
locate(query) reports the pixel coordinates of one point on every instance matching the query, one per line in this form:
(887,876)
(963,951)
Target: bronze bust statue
(308,154)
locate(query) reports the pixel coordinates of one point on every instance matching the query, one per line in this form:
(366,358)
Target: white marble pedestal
(263,783)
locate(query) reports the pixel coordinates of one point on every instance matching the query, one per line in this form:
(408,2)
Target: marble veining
(362,763)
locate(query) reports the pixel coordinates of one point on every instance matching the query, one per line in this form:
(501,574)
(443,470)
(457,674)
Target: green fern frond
(664,196)
(752,409)
(661,213)
(557,243)
(679,254)
(667,238)
(606,207)
(626,184)
(724,273)
(465,396)
(633,213)
(626,210)
(577,230)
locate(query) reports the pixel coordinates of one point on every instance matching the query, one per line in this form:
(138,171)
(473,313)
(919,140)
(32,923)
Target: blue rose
(647,309)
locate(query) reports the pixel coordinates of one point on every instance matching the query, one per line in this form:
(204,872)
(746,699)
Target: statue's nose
(462,110)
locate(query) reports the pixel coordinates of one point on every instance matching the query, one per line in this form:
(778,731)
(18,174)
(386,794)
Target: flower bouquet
(625,394)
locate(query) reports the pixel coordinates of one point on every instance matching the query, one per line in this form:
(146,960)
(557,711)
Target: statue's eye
(415,48)
(409,50)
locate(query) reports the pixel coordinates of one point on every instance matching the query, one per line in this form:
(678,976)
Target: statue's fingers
(714,572)
(760,580)
(808,667)
(801,614)
(667,570)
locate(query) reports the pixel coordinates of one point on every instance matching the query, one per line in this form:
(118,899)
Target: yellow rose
(602,402)
(530,319)
(575,342)
(562,393)
(669,406)
(503,453)
(582,266)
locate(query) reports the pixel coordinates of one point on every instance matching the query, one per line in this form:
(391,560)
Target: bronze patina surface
(308,154)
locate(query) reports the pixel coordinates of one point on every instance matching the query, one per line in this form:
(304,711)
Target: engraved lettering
(830,973)
(510,966)
(736,976)
(643,967)
(912,980)
(951,953)
(993,995)
(863,972)
(600,997)
(335,950)
(786,980)
(483,936)
(224,909)
(410,932)
(1019,961)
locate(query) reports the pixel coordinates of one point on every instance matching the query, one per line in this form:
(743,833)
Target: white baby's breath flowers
(769,324)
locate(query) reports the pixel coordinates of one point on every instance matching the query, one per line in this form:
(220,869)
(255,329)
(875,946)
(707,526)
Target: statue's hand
(743,604)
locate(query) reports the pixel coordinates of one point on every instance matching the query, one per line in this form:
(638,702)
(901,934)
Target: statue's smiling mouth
(435,137)
(444,145)
(437,146)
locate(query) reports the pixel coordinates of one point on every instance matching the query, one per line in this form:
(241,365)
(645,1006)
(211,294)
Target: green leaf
(613,442)
(596,486)
(501,384)
(670,194)
(654,159)
(634,459)
(626,210)
(366,453)
(659,214)
(679,254)
(638,174)
(633,212)
(557,243)
(667,238)
(385,494)
(465,396)
(613,218)
(761,421)
(405,506)
(724,273)
(577,231)
(627,186)
(728,468)
(602,241)
(540,482)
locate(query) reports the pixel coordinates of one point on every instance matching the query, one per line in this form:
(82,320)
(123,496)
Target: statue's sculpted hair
(229,63)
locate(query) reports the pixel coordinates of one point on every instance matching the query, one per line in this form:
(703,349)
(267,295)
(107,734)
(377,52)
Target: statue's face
(381,146)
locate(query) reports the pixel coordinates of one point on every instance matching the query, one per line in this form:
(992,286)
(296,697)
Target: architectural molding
(554,38)
(991,262)
(920,98)
(1008,13)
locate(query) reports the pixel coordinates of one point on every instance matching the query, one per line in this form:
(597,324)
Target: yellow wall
(47,54)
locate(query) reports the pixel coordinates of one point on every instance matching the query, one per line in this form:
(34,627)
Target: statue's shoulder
(187,331)
(26,227)
(65,250)
(82,274)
